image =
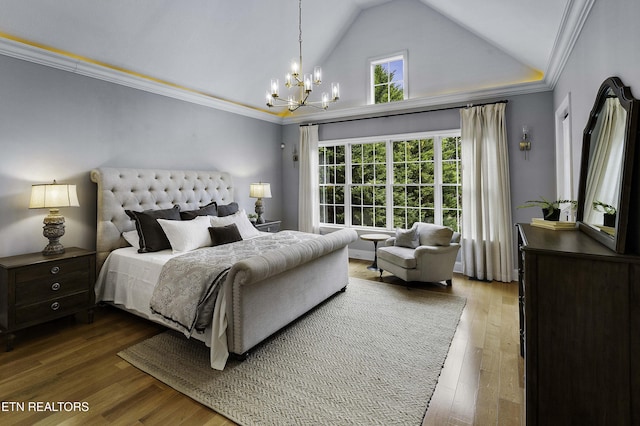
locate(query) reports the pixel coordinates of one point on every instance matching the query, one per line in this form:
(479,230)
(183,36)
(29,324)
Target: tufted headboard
(145,189)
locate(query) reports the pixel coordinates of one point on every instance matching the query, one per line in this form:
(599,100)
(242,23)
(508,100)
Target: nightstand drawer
(268,226)
(52,269)
(35,288)
(51,287)
(51,308)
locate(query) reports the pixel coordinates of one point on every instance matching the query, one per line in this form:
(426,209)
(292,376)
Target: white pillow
(187,235)
(132,238)
(246,229)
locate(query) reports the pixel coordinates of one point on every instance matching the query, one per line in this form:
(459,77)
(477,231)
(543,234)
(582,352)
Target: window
(391,182)
(388,78)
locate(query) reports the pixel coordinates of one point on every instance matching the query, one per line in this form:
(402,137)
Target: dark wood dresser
(35,288)
(580,321)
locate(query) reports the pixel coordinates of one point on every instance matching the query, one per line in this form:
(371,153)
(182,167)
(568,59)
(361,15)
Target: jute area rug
(371,355)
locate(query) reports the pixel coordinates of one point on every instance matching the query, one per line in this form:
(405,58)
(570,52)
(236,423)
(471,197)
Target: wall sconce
(525,143)
(53,196)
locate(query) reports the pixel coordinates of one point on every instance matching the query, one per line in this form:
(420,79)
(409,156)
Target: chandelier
(302,86)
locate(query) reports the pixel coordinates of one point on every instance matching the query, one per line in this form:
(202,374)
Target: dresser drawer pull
(55,306)
(55,286)
(55,270)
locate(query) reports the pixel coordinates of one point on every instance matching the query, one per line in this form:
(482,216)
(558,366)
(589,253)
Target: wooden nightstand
(268,226)
(35,288)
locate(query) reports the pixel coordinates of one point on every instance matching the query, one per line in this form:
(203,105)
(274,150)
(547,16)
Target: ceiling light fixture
(304,84)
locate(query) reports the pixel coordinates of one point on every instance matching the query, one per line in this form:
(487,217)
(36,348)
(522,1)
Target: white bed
(260,295)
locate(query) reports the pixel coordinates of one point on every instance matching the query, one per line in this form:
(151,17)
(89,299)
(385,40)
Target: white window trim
(371,62)
(386,138)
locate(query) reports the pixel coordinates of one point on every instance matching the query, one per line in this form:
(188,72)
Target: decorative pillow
(407,237)
(132,238)
(247,230)
(224,234)
(152,237)
(187,235)
(434,235)
(227,209)
(210,209)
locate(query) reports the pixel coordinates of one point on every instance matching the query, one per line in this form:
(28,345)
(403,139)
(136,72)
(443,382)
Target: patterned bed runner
(189,284)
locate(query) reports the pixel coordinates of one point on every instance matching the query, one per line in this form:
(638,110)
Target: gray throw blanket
(189,284)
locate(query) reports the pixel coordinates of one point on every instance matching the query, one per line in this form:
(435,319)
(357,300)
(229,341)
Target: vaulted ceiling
(223,53)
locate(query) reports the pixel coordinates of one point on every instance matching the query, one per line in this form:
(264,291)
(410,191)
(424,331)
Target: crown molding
(76,64)
(466,97)
(573,19)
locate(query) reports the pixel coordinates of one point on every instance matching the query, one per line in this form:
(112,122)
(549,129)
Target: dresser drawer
(52,308)
(51,287)
(51,269)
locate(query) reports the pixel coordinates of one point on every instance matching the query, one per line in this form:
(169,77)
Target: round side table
(375,238)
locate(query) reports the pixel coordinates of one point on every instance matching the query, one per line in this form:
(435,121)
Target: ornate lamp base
(53,229)
(259,211)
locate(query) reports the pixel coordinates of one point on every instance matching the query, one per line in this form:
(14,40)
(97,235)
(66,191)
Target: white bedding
(128,278)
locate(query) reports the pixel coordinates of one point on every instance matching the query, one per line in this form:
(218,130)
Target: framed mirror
(606,173)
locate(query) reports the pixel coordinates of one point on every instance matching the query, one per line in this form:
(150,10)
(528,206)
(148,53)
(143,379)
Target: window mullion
(437,157)
(348,183)
(389,184)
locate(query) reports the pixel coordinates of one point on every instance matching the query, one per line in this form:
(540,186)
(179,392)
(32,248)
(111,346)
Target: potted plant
(252,217)
(609,213)
(550,209)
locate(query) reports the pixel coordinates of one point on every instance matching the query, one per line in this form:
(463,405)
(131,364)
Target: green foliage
(545,204)
(413,183)
(385,89)
(603,207)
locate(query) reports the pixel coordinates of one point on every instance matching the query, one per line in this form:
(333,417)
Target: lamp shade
(260,190)
(53,195)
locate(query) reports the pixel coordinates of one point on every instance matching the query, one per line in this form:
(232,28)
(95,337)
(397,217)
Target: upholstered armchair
(426,253)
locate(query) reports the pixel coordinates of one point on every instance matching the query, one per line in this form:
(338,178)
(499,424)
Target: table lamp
(53,196)
(260,190)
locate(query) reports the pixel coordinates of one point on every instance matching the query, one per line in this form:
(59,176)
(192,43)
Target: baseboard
(361,254)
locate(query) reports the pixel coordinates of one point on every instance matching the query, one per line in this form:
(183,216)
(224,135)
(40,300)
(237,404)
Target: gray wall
(531,177)
(58,125)
(425,35)
(607,46)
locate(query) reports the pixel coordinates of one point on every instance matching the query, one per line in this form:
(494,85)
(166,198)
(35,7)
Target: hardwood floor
(482,381)
(66,361)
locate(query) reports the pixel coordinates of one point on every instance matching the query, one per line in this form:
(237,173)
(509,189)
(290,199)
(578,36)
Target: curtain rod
(469,105)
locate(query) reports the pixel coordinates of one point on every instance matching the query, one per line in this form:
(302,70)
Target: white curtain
(603,176)
(308,197)
(487,238)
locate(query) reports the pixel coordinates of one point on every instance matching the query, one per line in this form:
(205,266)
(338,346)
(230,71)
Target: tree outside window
(388,80)
(392,182)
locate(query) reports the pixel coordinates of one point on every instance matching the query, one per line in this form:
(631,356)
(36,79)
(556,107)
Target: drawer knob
(55,270)
(55,286)
(55,306)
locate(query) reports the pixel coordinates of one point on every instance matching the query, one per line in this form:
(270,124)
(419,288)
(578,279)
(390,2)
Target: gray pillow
(224,234)
(227,209)
(152,237)
(407,237)
(210,209)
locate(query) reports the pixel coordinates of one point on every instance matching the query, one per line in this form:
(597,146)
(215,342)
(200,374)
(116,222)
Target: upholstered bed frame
(266,292)
(145,189)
